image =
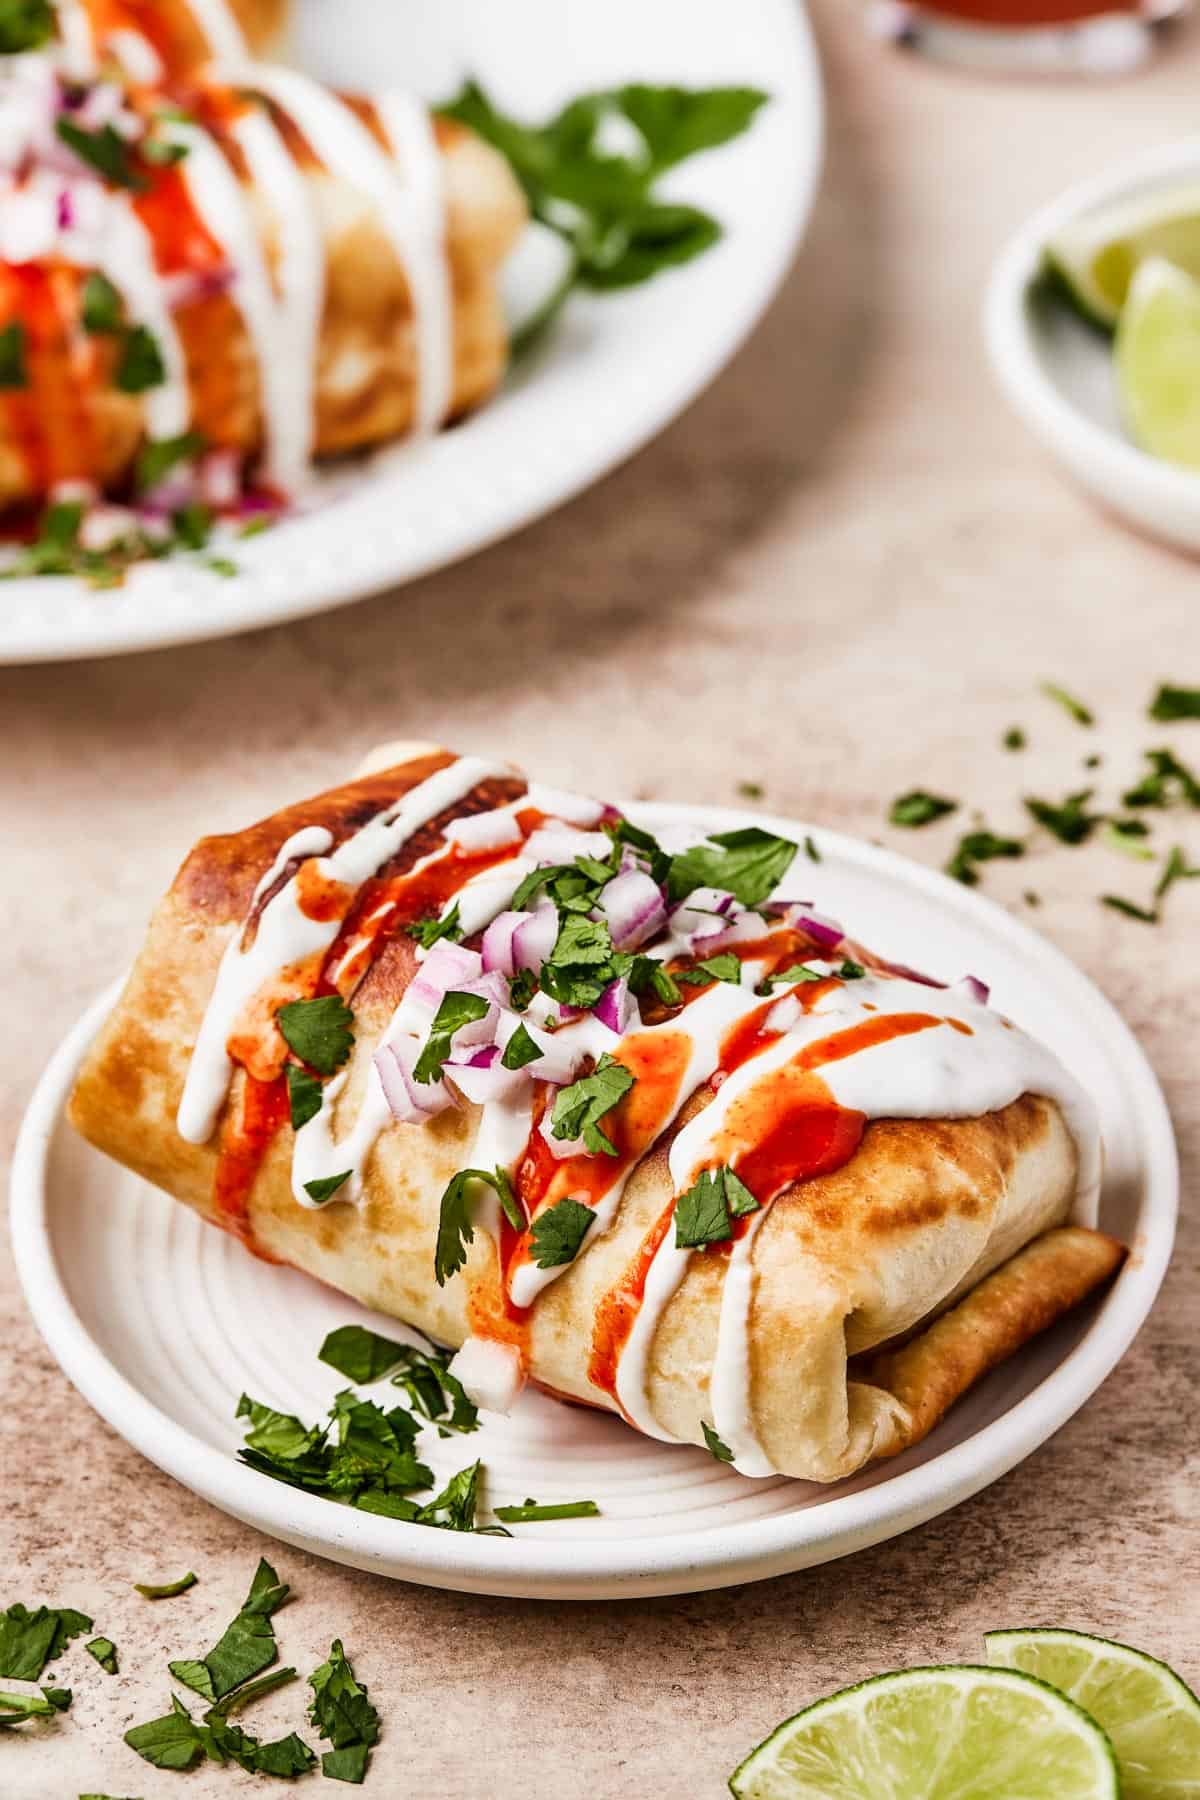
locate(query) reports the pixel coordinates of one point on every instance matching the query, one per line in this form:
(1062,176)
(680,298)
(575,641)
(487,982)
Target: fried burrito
(618,1114)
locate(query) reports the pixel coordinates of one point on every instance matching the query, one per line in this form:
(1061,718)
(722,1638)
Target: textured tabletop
(842,574)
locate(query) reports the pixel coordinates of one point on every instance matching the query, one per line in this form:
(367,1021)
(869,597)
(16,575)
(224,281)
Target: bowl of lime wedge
(1092,322)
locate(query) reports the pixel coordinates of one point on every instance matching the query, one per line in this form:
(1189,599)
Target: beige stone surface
(841,574)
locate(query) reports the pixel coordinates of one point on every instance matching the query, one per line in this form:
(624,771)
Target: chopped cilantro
(750,790)
(1172,703)
(455,1011)
(535,1509)
(749,864)
(245,1648)
(1175,869)
(1148,915)
(177,1742)
(105,1653)
(581,964)
(810,849)
(703,1213)
(1077,710)
(977,847)
(14,371)
(720,1451)
(647,975)
(103,310)
(521,989)
(18,1709)
(104,150)
(1128,836)
(455,1227)
(141,366)
(321,1031)
(1014,738)
(723,967)
(579,1108)
(25,25)
(304,1095)
(193,525)
(791,977)
(1071,823)
(920,808)
(361,1355)
(556,1235)
(165,1590)
(326,1186)
(429,932)
(158,457)
(1166,781)
(342,1713)
(30,1640)
(625,834)
(520,1050)
(851,971)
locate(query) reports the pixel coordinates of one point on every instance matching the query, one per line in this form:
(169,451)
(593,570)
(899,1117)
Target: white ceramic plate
(1058,371)
(162,1322)
(615,370)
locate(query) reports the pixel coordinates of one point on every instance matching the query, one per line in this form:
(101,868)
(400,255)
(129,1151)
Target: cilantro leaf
(105,151)
(624,832)
(30,1640)
(304,1095)
(158,457)
(1071,823)
(791,977)
(723,967)
(321,1032)
(1176,869)
(434,1393)
(520,1050)
(361,1355)
(275,1433)
(326,1186)
(1167,780)
(141,366)
(172,1742)
(454,1508)
(455,1011)
(702,1212)
(1172,703)
(556,1234)
(18,1709)
(254,1690)
(919,808)
(748,863)
(581,965)
(342,1712)
(741,1200)
(105,1653)
(810,849)
(429,932)
(720,1451)
(1147,915)
(647,975)
(166,1590)
(677,122)
(579,1108)
(1128,836)
(1077,710)
(978,847)
(850,971)
(521,989)
(25,25)
(245,1648)
(533,1509)
(375,1447)
(14,371)
(651,237)
(1014,738)
(103,309)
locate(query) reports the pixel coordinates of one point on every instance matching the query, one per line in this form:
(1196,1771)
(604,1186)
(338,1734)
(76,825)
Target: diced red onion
(746,928)
(535,937)
(484,831)
(66,209)
(450,966)
(906,974)
(187,287)
(483,1077)
(978,990)
(411,1101)
(634,909)
(498,941)
(803,917)
(615,1006)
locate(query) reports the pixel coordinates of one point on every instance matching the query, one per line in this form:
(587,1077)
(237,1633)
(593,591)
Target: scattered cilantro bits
(1074,708)
(532,1510)
(704,1214)
(30,1640)
(579,1108)
(321,1032)
(1173,703)
(980,846)
(165,1590)
(456,1228)
(18,1709)
(1069,821)
(105,1653)
(342,1713)
(1014,738)
(716,1448)
(920,808)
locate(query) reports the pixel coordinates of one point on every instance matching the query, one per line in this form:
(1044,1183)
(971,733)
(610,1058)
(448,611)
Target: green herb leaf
(14,371)
(167,1590)
(103,309)
(455,1011)
(434,1393)
(429,932)
(919,808)
(326,1186)
(702,1212)
(741,1200)
(1166,781)
(455,1228)
(520,1050)
(1176,869)
(751,790)
(18,1709)
(164,153)
(810,850)
(1070,822)
(172,1742)
(192,525)
(254,1690)
(141,366)
(105,1653)
(361,1355)
(304,1095)
(161,455)
(556,1234)
(275,1433)
(105,151)
(1147,915)
(579,1108)
(25,25)
(851,971)
(1077,710)
(521,989)
(30,1640)
(534,1509)
(749,864)
(342,1712)
(245,1648)
(454,1507)
(321,1032)
(1014,738)
(978,847)
(791,977)
(626,834)
(647,975)
(650,238)
(725,966)
(1173,703)
(1128,836)
(721,1451)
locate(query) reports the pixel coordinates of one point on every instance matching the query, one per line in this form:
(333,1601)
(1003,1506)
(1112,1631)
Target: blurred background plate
(162,1322)
(614,371)
(1057,370)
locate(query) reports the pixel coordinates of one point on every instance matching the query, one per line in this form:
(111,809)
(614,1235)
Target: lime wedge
(935,1734)
(1097,256)
(1152,1718)
(1158,363)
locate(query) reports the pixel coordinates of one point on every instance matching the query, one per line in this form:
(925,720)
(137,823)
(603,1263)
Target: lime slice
(1097,256)
(1152,1718)
(935,1734)
(1158,363)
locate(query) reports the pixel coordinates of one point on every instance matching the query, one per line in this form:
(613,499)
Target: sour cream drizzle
(286,934)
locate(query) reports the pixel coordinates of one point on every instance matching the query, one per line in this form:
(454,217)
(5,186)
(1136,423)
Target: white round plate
(613,371)
(1057,371)
(161,1322)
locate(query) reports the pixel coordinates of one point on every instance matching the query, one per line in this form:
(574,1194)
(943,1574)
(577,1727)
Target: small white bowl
(1058,372)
